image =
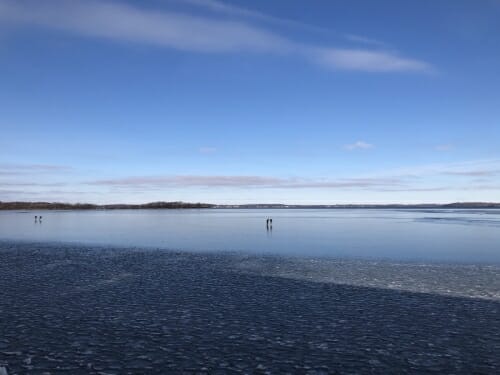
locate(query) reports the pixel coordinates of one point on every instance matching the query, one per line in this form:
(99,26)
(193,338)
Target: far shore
(187,205)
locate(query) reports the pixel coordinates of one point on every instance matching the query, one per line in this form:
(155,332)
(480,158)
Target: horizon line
(215,205)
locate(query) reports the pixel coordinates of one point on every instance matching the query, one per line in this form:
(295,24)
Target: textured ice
(78,310)
(474,281)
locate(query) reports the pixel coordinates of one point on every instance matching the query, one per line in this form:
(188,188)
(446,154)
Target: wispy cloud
(31,184)
(121,22)
(53,194)
(238,11)
(207,150)
(126,23)
(416,189)
(364,40)
(472,168)
(369,60)
(5,192)
(476,175)
(490,187)
(474,172)
(22,169)
(191,180)
(30,178)
(359,145)
(244,182)
(447,188)
(444,147)
(219,6)
(349,183)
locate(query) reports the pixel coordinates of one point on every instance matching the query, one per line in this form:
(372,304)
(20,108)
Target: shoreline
(112,310)
(31,206)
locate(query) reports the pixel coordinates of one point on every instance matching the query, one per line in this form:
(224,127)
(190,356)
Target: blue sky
(242,102)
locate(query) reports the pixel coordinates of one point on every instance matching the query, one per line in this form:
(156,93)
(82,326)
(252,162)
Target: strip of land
(80,310)
(186,205)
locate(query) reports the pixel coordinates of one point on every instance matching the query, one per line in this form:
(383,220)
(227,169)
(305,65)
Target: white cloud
(29,169)
(236,11)
(359,145)
(471,168)
(120,22)
(186,181)
(474,172)
(127,23)
(363,40)
(473,177)
(369,60)
(232,10)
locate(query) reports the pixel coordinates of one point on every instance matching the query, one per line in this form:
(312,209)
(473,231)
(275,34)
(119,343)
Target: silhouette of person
(271,222)
(36,218)
(40,219)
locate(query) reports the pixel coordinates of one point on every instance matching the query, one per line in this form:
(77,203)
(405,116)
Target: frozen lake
(470,236)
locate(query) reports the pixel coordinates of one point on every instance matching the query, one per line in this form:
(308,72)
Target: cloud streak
(473,168)
(474,172)
(364,40)
(479,175)
(359,145)
(207,150)
(369,61)
(50,194)
(7,169)
(444,147)
(186,181)
(32,184)
(236,11)
(125,23)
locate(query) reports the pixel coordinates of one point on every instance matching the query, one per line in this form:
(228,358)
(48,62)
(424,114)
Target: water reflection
(451,235)
(269,227)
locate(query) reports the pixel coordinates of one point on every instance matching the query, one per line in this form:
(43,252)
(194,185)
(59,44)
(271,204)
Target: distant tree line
(477,205)
(177,205)
(88,206)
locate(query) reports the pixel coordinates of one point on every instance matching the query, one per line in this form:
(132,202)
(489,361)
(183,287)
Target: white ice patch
(445,279)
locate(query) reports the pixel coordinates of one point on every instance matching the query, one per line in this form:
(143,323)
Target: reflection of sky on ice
(469,236)
(461,220)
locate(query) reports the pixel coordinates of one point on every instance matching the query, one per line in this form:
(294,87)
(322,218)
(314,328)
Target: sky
(268,101)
